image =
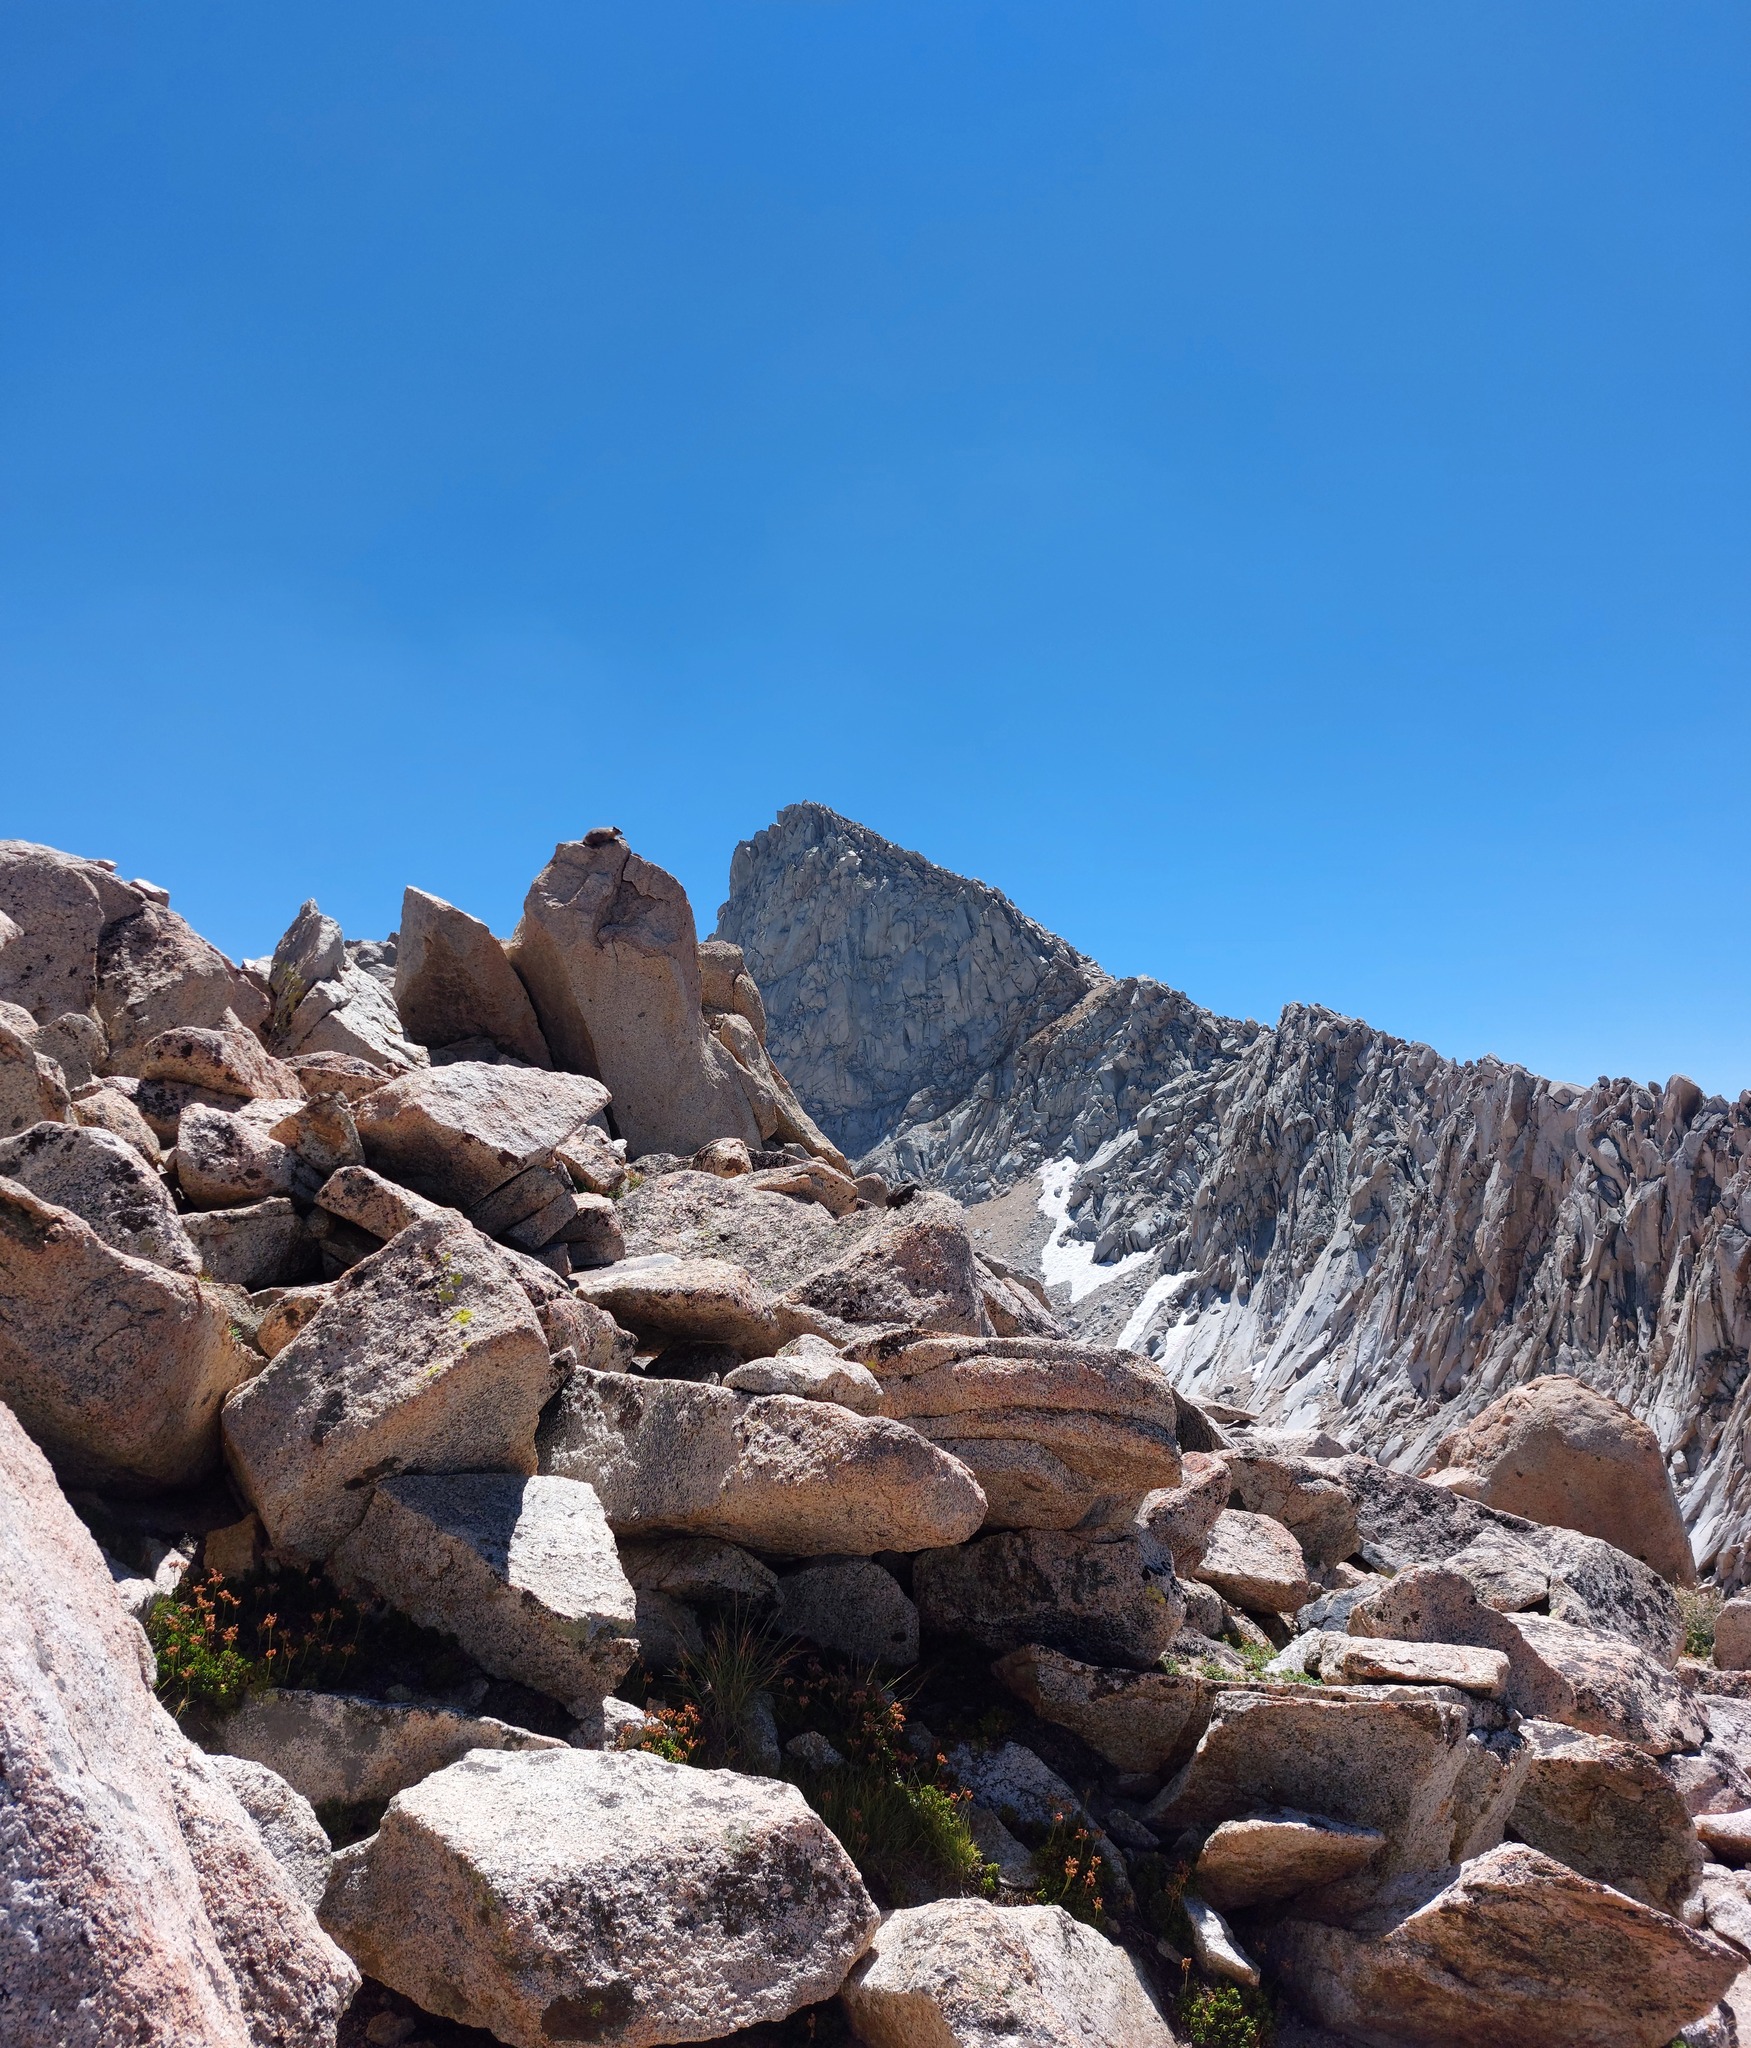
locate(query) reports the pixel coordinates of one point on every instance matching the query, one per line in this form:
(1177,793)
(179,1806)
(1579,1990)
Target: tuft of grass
(1699,1608)
(721,1683)
(1225,2016)
(897,1827)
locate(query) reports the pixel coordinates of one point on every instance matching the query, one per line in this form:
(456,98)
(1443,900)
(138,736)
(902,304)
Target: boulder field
(505,1526)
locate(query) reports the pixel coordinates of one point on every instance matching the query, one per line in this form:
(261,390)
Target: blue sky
(1266,485)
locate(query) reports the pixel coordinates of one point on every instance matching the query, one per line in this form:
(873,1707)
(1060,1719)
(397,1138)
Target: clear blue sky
(1266,485)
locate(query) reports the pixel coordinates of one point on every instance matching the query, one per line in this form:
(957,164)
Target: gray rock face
(1137,1720)
(140,1905)
(608,952)
(857,1609)
(603,1896)
(107,1183)
(426,1356)
(1276,1855)
(963,1973)
(116,1366)
(1361,1233)
(962,977)
(804,1478)
(453,982)
(331,1747)
(522,1572)
(1102,1601)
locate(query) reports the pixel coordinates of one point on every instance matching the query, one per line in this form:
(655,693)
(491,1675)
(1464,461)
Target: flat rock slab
(1726,1836)
(602,1896)
(522,1572)
(1137,1720)
(426,1356)
(963,1973)
(117,1366)
(1374,1660)
(455,1133)
(1517,1948)
(1255,1562)
(1275,1855)
(333,1748)
(803,1478)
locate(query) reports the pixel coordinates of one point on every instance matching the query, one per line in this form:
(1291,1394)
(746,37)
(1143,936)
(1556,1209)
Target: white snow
(1068,1261)
(1160,1290)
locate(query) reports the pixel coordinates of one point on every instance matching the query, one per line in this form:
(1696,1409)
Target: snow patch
(1066,1261)
(1155,1295)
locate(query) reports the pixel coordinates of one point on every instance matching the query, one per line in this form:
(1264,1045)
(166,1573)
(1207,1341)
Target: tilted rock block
(457,1133)
(1276,1855)
(115,1365)
(601,1895)
(286,1822)
(1138,1720)
(1607,1810)
(1255,1562)
(155,974)
(708,1299)
(453,981)
(1098,1600)
(335,1749)
(427,1356)
(106,1183)
(381,1206)
(1516,1948)
(522,1572)
(805,1478)
(1179,1519)
(230,1062)
(324,1002)
(969,1974)
(607,950)
(142,1907)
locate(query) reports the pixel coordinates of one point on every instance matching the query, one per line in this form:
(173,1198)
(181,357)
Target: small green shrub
(1069,1864)
(1225,2016)
(1699,1608)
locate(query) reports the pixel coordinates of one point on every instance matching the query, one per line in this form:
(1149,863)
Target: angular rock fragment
(286,1822)
(911,1267)
(140,1906)
(810,1181)
(334,1749)
(1315,1509)
(1138,1720)
(106,1183)
(383,1207)
(229,1062)
(1274,1855)
(324,1002)
(779,1117)
(522,1572)
(1374,1660)
(156,973)
(1179,1519)
(457,1133)
(1218,1953)
(1556,1450)
(1607,1810)
(1516,1948)
(811,1376)
(707,1299)
(803,1478)
(855,1608)
(107,1108)
(1732,1651)
(1100,1601)
(426,1357)
(33,1089)
(224,1160)
(601,1895)
(607,950)
(1255,1562)
(453,982)
(262,1245)
(116,1366)
(1389,1761)
(1060,1435)
(963,1973)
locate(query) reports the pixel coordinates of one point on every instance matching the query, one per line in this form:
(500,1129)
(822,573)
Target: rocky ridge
(1315,1222)
(503,1532)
